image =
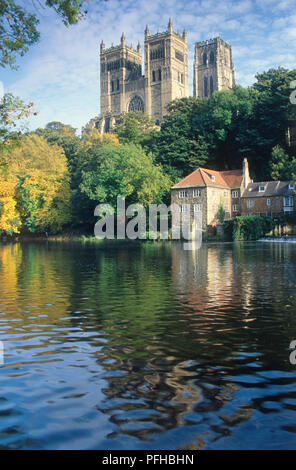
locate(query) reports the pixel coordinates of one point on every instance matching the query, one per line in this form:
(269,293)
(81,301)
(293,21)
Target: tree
(134,127)
(123,170)
(12,110)
(43,188)
(18,27)
(221,212)
(282,165)
(179,144)
(9,216)
(271,114)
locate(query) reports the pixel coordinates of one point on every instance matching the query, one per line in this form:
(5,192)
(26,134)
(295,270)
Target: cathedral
(124,88)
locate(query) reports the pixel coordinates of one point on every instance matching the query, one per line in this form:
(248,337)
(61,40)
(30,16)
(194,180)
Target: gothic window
(136,104)
(204,59)
(206,86)
(107,125)
(179,55)
(159,74)
(112,86)
(212,57)
(182,78)
(157,53)
(117,84)
(211,85)
(153,76)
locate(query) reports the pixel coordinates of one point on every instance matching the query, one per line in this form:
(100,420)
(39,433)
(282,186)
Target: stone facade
(204,190)
(213,67)
(123,88)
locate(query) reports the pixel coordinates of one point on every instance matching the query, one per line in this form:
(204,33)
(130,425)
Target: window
(235,194)
(212,177)
(211,85)
(268,213)
(250,203)
(226,208)
(212,57)
(268,202)
(288,201)
(117,84)
(225,194)
(262,189)
(197,208)
(159,75)
(234,208)
(291,186)
(136,104)
(196,193)
(182,78)
(185,207)
(204,59)
(183,194)
(112,86)
(179,55)
(206,86)
(153,76)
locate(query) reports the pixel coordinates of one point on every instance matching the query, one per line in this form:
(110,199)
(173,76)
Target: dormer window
(262,189)
(212,177)
(291,186)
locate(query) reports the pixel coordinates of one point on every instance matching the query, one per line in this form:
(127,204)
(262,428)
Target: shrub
(248,227)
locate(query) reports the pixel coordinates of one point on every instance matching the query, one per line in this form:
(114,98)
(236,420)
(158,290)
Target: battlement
(113,49)
(163,34)
(210,42)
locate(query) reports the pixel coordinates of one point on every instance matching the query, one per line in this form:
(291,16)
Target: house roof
(203,177)
(272,188)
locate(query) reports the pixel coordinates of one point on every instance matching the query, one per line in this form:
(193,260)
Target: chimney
(246,174)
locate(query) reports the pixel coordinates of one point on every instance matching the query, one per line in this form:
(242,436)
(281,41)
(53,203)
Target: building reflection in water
(165,338)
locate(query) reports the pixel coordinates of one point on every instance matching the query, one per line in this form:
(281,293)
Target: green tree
(282,165)
(272,112)
(180,145)
(221,212)
(134,127)
(123,170)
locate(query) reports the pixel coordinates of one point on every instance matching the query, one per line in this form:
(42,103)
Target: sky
(60,73)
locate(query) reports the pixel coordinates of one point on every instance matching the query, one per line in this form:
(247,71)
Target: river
(147,346)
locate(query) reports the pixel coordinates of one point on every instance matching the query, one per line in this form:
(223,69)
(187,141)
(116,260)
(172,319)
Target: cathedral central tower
(166,70)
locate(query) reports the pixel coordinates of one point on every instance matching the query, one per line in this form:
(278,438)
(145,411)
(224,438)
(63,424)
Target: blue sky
(60,74)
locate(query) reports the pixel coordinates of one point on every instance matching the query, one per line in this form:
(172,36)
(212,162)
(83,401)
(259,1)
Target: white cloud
(61,73)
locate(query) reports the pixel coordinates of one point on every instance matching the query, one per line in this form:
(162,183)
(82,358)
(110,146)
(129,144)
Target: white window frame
(290,200)
(185,208)
(235,194)
(262,190)
(196,193)
(197,207)
(234,208)
(291,185)
(250,203)
(183,193)
(268,202)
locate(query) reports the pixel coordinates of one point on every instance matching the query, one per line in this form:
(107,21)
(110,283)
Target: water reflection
(150,347)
